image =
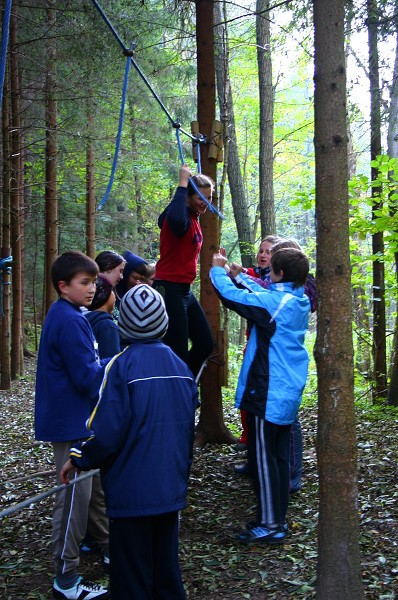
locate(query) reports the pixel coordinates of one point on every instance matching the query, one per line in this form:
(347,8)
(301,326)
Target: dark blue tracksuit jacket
(143,431)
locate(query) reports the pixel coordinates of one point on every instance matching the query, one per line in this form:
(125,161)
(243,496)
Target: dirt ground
(214,565)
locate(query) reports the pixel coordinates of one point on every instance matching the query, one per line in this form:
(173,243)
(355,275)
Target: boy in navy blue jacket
(68,378)
(271,380)
(143,431)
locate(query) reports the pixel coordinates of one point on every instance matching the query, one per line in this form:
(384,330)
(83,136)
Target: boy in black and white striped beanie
(142,314)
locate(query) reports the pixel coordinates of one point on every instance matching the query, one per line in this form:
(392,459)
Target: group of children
(116,397)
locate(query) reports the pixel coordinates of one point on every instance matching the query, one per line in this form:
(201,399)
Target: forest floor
(214,565)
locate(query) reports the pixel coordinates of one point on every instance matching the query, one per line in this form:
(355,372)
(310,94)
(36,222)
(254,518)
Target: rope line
(175,123)
(34,499)
(119,133)
(4,44)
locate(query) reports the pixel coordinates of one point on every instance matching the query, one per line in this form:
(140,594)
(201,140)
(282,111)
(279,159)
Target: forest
(292,108)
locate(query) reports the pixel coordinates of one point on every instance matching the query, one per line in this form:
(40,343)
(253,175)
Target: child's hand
(219,260)
(222,251)
(235,269)
(185,174)
(63,476)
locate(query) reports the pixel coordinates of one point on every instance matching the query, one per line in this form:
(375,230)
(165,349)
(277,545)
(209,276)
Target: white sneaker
(83,590)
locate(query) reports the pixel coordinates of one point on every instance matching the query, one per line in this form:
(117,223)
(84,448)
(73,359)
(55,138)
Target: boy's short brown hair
(294,264)
(69,264)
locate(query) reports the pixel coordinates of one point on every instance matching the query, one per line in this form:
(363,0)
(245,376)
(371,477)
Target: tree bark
(379,307)
(211,427)
(338,567)
(137,180)
(266,99)
(392,150)
(51,201)
(16,201)
(231,156)
(5,251)
(90,191)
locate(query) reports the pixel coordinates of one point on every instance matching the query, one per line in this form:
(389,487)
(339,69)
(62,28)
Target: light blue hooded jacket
(275,364)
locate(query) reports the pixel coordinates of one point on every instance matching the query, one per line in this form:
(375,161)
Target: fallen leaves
(220,502)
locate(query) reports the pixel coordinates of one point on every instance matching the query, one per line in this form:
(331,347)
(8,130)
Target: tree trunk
(266,99)
(379,307)
(51,202)
(16,206)
(137,181)
(231,156)
(5,373)
(211,427)
(392,142)
(90,191)
(338,567)
(360,304)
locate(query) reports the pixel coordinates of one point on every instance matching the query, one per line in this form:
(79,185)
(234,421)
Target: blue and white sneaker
(261,535)
(82,590)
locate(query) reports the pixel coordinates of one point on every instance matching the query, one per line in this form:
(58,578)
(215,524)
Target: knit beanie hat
(132,262)
(102,292)
(142,313)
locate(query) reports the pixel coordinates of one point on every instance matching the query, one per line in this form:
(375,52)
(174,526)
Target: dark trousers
(187,321)
(268,458)
(296,456)
(144,558)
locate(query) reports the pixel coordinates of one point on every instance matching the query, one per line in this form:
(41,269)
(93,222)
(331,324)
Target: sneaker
(82,590)
(261,535)
(242,469)
(106,563)
(253,524)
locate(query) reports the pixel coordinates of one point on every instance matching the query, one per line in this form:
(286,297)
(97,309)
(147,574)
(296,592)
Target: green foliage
(363,224)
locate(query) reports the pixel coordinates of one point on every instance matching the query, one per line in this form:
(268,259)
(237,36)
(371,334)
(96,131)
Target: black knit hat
(102,292)
(133,262)
(142,314)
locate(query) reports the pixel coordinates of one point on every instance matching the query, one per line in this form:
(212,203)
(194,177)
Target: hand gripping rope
(209,205)
(175,123)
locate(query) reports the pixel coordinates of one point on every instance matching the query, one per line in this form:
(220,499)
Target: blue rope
(209,205)
(175,123)
(135,65)
(119,135)
(198,157)
(4,44)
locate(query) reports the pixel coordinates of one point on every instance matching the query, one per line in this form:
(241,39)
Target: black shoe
(240,447)
(88,547)
(261,535)
(242,469)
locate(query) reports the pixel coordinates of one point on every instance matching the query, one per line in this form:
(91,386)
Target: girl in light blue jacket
(271,380)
